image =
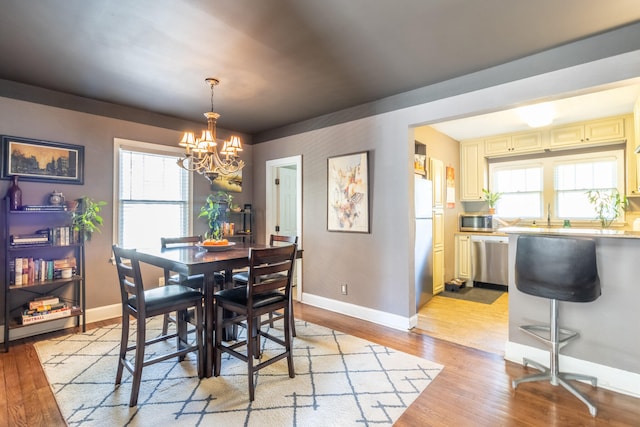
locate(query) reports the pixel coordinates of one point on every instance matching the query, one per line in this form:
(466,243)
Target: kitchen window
(555,184)
(153,194)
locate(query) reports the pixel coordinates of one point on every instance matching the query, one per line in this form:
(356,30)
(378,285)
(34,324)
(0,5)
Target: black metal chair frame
(247,304)
(142,304)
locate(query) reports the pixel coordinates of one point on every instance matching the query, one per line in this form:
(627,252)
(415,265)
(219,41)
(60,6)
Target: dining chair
(241,278)
(196,281)
(142,304)
(268,289)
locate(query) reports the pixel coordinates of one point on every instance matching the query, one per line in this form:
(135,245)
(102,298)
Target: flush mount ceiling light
(201,154)
(537,115)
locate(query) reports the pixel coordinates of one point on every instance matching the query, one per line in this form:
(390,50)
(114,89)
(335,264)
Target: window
(153,194)
(521,186)
(555,184)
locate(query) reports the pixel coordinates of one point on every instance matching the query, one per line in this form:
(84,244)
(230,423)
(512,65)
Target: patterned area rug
(340,380)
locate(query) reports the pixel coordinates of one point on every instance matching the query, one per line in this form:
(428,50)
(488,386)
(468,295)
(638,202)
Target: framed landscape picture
(34,160)
(348,193)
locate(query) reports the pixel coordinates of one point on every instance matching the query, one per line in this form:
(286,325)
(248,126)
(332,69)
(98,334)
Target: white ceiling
(598,104)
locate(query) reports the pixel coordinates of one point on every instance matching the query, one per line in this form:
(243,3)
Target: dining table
(189,260)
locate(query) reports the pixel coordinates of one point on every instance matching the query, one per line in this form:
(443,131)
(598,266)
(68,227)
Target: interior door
(285,192)
(283,208)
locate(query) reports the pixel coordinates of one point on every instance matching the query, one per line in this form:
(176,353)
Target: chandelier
(201,154)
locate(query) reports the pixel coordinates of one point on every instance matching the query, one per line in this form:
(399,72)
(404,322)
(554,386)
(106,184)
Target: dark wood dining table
(189,260)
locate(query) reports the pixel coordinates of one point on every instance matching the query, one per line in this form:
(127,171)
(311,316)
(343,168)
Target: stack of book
(47,308)
(39,238)
(57,236)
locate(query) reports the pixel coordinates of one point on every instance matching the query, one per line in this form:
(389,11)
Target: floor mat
(481,295)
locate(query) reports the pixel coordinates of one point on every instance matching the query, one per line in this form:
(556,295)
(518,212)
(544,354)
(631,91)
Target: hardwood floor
(472,324)
(472,390)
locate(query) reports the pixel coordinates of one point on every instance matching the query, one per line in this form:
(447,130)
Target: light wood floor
(472,390)
(472,324)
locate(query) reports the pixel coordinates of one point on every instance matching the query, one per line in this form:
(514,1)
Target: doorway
(283,207)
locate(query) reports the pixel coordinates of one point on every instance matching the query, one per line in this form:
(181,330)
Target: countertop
(577,231)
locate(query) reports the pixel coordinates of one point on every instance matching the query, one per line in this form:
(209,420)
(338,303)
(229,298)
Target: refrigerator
(423,193)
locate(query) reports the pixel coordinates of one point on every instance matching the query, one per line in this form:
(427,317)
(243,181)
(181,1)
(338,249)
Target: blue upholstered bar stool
(559,269)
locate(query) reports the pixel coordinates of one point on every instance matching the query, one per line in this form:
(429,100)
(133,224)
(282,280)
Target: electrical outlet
(343,289)
(161,281)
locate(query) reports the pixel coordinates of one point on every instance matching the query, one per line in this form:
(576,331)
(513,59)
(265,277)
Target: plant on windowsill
(608,204)
(213,209)
(491,198)
(86,219)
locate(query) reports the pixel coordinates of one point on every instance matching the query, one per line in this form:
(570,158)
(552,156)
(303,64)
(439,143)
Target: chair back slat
(276,238)
(129,274)
(274,262)
(166,241)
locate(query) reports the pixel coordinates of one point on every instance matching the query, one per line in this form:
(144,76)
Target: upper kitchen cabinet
(437,177)
(633,158)
(509,145)
(473,170)
(586,134)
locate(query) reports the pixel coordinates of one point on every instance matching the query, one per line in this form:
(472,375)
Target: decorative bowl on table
(216,246)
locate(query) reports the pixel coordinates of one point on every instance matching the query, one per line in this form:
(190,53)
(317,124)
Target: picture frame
(45,161)
(348,193)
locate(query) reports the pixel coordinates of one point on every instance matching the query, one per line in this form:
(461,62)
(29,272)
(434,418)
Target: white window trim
(119,143)
(548,186)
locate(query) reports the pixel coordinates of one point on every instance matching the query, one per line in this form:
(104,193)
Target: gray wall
(96,134)
(378,266)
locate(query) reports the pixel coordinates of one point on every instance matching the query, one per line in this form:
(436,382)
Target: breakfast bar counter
(609,343)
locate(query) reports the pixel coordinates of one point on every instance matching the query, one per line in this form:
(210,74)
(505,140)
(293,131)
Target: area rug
(481,295)
(340,380)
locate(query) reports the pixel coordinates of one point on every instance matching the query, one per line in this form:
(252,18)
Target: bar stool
(559,269)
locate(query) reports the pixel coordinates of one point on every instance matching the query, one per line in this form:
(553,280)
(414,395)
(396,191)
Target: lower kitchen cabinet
(463,256)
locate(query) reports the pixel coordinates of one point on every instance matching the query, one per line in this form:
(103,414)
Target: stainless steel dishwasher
(490,259)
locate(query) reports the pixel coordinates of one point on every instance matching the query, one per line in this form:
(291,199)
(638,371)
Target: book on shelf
(59,313)
(27,271)
(37,208)
(43,301)
(44,309)
(30,239)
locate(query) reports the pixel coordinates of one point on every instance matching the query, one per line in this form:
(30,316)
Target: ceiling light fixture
(537,115)
(201,154)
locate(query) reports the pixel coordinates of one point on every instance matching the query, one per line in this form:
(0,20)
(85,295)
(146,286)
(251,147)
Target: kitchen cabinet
(463,256)
(521,143)
(473,170)
(438,251)
(633,158)
(597,132)
(437,177)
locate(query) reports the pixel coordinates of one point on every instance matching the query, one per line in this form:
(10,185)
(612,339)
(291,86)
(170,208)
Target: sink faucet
(549,215)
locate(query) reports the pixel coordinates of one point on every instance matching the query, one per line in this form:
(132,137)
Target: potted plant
(86,219)
(491,198)
(608,205)
(214,207)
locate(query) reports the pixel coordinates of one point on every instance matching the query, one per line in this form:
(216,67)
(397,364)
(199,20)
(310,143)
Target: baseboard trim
(375,316)
(608,378)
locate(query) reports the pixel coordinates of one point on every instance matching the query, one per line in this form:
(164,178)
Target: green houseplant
(491,198)
(213,210)
(87,219)
(608,205)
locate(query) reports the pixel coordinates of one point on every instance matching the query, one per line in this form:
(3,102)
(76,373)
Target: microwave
(482,222)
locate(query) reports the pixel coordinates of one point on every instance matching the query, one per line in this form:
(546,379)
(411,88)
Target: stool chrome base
(552,374)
